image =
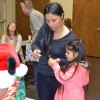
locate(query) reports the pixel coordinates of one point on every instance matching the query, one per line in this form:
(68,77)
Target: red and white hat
(6,79)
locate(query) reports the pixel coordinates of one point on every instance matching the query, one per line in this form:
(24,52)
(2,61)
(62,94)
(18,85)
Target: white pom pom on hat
(6,80)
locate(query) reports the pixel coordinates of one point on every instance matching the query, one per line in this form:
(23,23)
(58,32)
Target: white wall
(7,12)
(10,11)
(67,6)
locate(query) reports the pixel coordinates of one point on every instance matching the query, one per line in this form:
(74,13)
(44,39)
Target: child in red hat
(10,68)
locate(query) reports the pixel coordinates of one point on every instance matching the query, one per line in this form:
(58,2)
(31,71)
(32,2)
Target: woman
(13,37)
(50,42)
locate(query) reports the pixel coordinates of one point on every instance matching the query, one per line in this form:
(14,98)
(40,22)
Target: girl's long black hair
(76,45)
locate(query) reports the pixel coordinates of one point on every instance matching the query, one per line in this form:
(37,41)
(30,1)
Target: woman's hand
(52,62)
(36,53)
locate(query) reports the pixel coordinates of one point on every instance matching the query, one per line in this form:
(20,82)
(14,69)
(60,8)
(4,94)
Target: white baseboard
(28,98)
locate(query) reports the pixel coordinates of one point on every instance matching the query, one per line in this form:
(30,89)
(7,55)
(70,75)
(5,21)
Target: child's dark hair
(54,8)
(76,45)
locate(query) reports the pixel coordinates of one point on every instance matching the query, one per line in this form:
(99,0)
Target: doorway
(86,24)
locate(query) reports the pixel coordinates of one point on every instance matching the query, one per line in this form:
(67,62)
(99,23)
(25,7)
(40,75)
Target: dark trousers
(46,86)
(35,72)
(19,58)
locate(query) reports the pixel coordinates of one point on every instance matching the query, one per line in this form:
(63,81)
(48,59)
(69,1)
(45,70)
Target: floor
(30,93)
(93,92)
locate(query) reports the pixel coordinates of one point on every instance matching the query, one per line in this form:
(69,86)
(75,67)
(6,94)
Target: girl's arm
(81,72)
(60,76)
(19,43)
(63,77)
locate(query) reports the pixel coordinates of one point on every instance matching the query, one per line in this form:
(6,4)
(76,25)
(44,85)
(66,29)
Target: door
(86,24)
(22,21)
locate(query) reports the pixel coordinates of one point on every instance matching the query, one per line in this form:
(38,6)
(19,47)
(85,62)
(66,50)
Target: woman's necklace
(11,37)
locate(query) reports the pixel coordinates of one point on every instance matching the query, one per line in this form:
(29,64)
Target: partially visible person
(13,37)
(74,75)
(50,42)
(36,19)
(10,68)
(68,23)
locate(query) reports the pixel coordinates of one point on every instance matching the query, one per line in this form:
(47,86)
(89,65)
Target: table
(28,51)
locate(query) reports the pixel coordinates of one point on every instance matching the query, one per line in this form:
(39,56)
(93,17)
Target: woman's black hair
(47,38)
(56,9)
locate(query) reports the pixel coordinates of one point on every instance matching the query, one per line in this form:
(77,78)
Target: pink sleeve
(85,78)
(63,77)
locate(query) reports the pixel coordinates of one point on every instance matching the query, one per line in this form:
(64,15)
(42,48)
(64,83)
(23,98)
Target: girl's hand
(52,62)
(36,53)
(57,60)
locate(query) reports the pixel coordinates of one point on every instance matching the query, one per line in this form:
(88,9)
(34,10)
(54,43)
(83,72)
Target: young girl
(74,75)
